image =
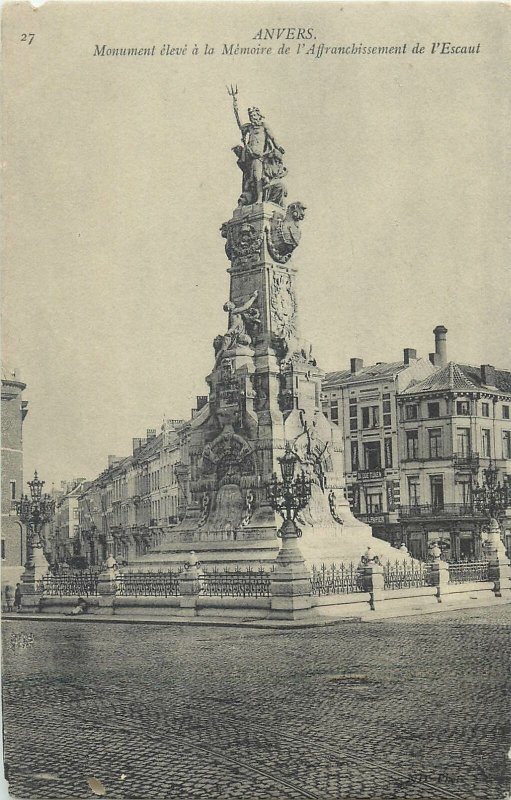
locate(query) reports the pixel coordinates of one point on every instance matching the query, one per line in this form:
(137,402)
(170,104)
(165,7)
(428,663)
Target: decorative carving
(284,234)
(259,158)
(229,456)
(249,508)
(243,243)
(283,307)
(205,506)
(245,321)
(314,454)
(332,502)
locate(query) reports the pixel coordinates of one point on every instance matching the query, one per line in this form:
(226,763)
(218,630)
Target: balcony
(466,460)
(446,510)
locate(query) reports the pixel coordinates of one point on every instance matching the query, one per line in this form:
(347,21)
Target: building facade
(14,411)
(453,425)
(363,402)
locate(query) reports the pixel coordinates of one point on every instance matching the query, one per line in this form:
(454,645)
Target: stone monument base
(319,545)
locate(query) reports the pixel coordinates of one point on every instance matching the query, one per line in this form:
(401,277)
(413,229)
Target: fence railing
(148,584)
(405,574)
(336,579)
(236,583)
(84,584)
(466,571)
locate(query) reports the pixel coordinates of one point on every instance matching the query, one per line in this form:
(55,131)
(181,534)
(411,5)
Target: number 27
(27,37)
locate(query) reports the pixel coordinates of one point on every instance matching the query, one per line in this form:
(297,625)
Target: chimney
(202,399)
(440,346)
(151,433)
(409,354)
(488,374)
(356,364)
(137,444)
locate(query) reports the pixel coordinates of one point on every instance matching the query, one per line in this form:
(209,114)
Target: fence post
(189,586)
(31,580)
(290,585)
(372,574)
(107,585)
(439,572)
(499,569)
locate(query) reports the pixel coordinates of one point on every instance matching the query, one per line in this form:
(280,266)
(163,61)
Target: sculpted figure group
(259,158)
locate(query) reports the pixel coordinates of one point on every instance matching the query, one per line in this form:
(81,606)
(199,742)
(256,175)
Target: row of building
(418,436)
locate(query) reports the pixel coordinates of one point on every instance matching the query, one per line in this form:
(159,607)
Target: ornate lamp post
(492,497)
(34,512)
(290,495)
(290,584)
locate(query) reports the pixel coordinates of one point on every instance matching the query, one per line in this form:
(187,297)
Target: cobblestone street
(412,708)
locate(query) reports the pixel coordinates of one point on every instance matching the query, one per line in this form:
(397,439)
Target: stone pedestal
(499,569)
(439,572)
(189,586)
(290,586)
(107,586)
(372,576)
(31,580)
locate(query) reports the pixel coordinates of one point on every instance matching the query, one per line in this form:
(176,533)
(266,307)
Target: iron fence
(336,579)
(78,584)
(148,584)
(466,571)
(236,583)
(405,574)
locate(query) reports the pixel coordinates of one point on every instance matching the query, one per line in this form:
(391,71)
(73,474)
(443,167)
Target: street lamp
(34,512)
(290,495)
(492,498)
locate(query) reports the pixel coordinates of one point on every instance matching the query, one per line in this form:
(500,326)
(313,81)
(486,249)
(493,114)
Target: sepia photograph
(256,394)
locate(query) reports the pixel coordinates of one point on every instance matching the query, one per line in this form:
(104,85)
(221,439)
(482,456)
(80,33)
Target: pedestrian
(9,597)
(17,597)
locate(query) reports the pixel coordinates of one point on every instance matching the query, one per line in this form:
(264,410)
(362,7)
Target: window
(435,442)
(437,491)
(506,444)
(485,443)
(463,408)
(411,412)
(465,493)
(334,411)
(353,415)
(3,549)
(13,489)
(485,409)
(463,441)
(370,417)
(374,505)
(414,491)
(412,444)
(354,457)
(505,412)
(433,410)
(372,455)
(387,416)
(75,513)
(388,452)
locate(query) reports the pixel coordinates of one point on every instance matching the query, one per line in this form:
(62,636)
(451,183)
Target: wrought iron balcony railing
(467,460)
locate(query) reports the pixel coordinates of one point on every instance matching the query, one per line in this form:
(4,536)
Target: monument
(264,393)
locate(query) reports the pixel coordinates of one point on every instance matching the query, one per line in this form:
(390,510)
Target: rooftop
(459,378)
(345,377)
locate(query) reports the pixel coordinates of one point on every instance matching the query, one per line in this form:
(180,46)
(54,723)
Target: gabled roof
(451,378)
(383,370)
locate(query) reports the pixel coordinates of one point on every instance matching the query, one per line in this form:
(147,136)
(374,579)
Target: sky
(118,174)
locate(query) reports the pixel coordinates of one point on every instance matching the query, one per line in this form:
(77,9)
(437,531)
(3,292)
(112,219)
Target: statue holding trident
(259,158)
